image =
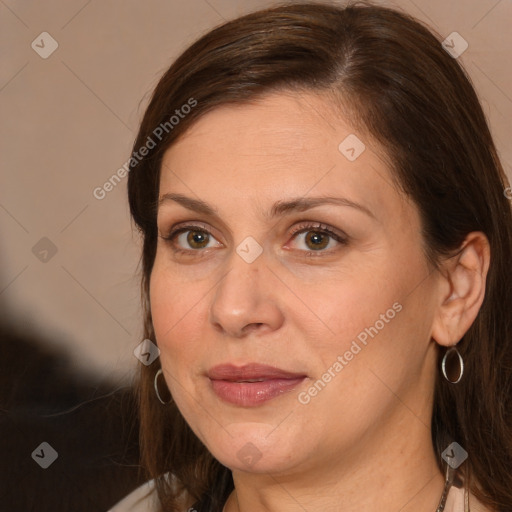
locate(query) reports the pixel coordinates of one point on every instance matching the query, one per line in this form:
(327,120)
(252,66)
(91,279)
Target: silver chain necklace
(450,473)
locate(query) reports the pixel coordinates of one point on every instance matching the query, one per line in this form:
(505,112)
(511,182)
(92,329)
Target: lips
(252,384)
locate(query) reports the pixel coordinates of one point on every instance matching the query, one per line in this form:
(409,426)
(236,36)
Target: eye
(191,238)
(318,237)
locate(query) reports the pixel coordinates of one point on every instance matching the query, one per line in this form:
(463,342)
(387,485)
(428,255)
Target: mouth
(252,384)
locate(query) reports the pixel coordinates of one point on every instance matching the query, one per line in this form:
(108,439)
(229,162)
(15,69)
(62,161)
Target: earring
(158,373)
(461,365)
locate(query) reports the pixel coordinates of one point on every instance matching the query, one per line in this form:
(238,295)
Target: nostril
(253,326)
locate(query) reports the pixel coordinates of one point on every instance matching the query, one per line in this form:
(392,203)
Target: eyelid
(320,226)
(187,226)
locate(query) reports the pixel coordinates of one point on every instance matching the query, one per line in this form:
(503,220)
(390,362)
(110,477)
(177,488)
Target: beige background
(68,123)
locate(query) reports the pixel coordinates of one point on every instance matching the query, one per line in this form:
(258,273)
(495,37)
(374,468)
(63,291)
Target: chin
(254,447)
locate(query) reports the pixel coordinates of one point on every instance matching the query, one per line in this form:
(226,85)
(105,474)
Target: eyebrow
(279,208)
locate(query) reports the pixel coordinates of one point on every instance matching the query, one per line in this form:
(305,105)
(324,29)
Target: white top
(144,499)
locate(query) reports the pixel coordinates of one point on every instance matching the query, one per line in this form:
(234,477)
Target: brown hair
(394,79)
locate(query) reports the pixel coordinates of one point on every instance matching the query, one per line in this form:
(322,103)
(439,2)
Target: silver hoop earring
(158,373)
(461,365)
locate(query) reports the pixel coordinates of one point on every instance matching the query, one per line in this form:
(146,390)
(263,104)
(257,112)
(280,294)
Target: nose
(246,299)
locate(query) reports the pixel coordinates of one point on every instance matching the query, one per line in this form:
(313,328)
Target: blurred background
(75,78)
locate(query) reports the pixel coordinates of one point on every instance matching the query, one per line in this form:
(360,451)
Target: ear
(461,289)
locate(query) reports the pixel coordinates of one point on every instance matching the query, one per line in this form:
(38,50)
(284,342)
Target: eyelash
(304,228)
(322,229)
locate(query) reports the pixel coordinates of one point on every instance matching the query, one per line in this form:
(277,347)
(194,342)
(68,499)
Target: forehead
(280,123)
(281,144)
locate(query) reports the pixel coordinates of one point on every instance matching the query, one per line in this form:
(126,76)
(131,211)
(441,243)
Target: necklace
(450,473)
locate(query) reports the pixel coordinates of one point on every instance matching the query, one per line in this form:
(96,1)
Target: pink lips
(251,384)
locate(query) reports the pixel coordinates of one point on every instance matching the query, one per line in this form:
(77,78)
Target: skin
(298,309)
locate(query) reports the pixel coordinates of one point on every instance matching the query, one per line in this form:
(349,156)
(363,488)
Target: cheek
(176,310)
(376,319)
(175,314)
(164,312)
(346,304)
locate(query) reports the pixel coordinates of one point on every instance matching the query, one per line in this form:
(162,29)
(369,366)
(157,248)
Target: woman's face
(293,306)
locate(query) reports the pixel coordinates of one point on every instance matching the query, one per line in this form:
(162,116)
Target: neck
(398,475)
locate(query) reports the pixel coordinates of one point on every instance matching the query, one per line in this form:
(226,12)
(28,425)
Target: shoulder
(459,500)
(142,499)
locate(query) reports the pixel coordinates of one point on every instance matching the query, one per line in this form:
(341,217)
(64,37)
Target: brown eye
(191,239)
(198,239)
(316,240)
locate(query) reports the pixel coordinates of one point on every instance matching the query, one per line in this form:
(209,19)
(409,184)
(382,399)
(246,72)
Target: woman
(325,272)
